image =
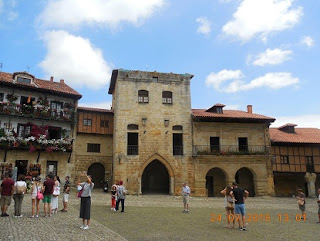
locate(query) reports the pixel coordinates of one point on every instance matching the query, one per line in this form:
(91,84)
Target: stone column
(172,186)
(139,186)
(311,179)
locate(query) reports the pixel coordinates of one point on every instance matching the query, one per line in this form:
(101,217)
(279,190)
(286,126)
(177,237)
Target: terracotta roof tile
(81,108)
(56,87)
(230,114)
(301,135)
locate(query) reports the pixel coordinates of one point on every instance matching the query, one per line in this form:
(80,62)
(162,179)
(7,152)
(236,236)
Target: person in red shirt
(48,186)
(7,189)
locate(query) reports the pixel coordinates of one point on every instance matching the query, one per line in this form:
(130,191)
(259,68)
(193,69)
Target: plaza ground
(159,217)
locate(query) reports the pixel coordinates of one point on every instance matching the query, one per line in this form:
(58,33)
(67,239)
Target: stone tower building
(152,141)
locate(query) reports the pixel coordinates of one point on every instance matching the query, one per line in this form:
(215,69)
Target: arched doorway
(244,178)
(215,182)
(155,178)
(97,171)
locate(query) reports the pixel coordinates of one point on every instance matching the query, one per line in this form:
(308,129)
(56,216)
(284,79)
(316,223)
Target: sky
(265,53)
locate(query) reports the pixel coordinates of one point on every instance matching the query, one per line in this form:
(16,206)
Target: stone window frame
(143,97)
(167,97)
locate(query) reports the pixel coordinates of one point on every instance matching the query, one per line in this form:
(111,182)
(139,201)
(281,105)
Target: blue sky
(264,53)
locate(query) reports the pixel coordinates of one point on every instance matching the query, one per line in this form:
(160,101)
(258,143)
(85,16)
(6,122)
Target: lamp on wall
(166,122)
(144,121)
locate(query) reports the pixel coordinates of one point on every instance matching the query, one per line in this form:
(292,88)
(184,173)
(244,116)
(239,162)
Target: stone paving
(108,225)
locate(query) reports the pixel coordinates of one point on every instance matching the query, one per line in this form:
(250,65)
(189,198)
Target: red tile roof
(90,109)
(301,135)
(231,115)
(55,87)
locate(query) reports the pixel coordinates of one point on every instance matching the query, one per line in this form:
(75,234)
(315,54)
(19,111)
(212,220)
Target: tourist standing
(66,191)
(228,204)
(302,202)
(36,187)
(185,197)
(7,188)
(20,188)
(239,195)
(121,196)
(55,195)
(48,188)
(85,206)
(113,196)
(318,205)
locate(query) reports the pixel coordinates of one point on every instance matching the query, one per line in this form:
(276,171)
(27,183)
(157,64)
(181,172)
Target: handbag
(56,191)
(80,192)
(230,203)
(39,195)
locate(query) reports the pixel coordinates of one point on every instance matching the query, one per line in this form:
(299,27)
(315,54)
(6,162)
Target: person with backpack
(121,196)
(20,188)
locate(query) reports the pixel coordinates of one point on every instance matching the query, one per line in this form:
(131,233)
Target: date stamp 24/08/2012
(260,217)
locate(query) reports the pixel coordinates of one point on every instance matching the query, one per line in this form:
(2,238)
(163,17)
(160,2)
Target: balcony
(199,150)
(39,112)
(132,150)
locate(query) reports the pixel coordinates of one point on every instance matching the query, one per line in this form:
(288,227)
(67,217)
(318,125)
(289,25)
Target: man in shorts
(7,189)
(47,194)
(239,195)
(66,191)
(185,197)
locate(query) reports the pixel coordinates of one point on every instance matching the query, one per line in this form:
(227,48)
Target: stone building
(37,120)
(93,143)
(160,142)
(296,159)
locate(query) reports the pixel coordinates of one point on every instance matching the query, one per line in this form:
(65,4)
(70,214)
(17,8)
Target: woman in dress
(55,195)
(20,188)
(85,206)
(229,205)
(36,187)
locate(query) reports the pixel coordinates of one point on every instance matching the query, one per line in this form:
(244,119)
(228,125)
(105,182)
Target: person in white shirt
(185,197)
(20,188)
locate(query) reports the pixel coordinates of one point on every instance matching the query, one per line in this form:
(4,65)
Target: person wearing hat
(239,195)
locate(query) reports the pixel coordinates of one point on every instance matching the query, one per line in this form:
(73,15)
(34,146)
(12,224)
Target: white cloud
(262,17)
(61,13)
(272,57)
(101,105)
(307,40)
(204,25)
(230,81)
(74,59)
(311,121)
(232,107)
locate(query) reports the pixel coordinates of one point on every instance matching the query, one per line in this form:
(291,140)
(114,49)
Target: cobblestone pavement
(107,225)
(61,226)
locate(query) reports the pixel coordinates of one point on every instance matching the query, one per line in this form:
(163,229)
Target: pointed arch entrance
(244,178)
(215,182)
(97,171)
(155,179)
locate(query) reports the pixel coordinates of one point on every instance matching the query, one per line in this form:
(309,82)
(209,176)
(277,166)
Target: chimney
(51,79)
(249,109)
(62,81)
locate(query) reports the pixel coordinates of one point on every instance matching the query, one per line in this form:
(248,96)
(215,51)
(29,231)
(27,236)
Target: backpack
(20,189)
(121,193)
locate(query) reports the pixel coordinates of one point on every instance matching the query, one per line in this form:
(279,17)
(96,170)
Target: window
(177,128)
(54,132)
(87,122)
(284,159)
(215,144)
(309,164)
(24,130)
(243,144)
(143,96)
(177,144)
(1,96)
(104,123)
(166,97)
(132,148)
(56,106)
(219,110)
(26,100)
(8,126)
(133,127)
(24,80)
(92,147)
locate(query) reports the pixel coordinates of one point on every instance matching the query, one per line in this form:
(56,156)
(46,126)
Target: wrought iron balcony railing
(132,150)
(230,150)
